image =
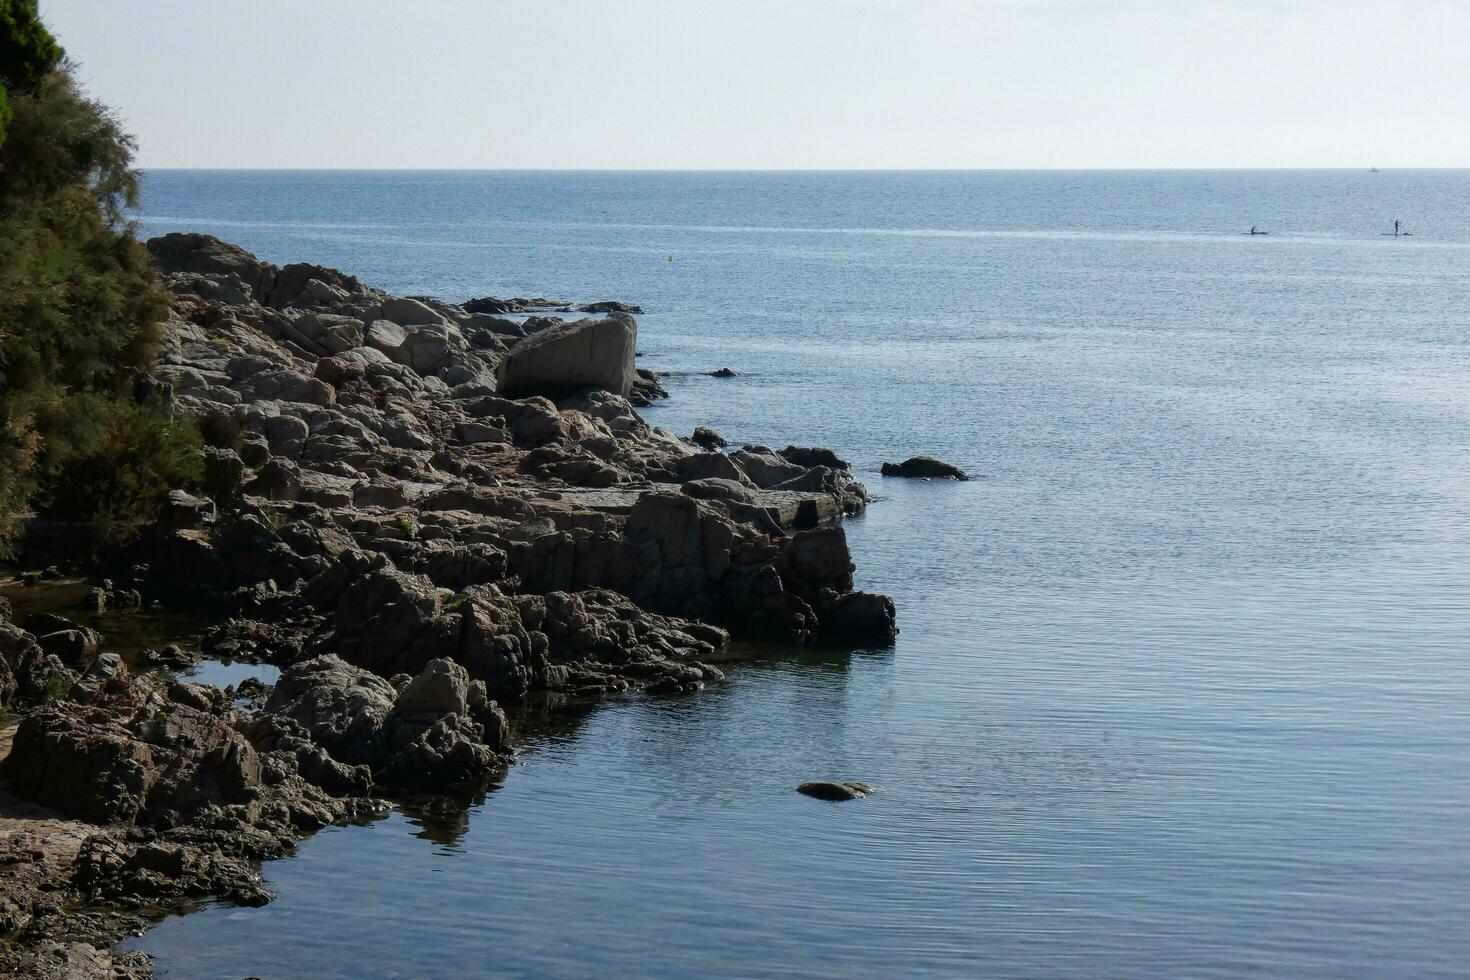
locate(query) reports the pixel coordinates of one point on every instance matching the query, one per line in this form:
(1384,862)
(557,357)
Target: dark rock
(707,438)
(861,618)
(924,467)
(835,792)
(646,389)
(722,373)
(609,306)
(73,647)
(189,252)
(224,473)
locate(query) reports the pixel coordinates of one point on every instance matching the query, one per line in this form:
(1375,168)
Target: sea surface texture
(1183,688)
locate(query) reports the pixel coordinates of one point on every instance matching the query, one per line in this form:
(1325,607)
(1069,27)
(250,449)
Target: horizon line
(785,170)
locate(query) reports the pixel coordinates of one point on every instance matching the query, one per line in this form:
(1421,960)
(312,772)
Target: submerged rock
(835,792)
(924,467)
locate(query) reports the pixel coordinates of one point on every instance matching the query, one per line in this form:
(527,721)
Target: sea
(1183,683)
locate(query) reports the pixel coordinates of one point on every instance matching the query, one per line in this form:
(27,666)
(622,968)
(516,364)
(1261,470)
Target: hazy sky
(764,83)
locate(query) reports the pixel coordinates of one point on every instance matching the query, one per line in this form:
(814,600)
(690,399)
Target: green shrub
(119,484)
(80,302)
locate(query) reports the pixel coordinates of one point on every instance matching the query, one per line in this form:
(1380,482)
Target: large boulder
(558,361)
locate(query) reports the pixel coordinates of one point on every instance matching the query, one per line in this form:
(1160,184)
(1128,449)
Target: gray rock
(408,312)
(441,688)
(560,360)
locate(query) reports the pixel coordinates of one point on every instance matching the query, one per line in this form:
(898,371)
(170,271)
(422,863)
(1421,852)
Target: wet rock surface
(421,512)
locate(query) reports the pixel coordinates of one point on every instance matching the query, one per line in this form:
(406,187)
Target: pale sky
(609,84)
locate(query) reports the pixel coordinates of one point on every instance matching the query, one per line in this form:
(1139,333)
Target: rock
(814,457)
(336,371)
(408,312)
(562,359)
(302,283)
(722,373)
(609,306)
(709,465)
(130,752)
(646,389)
(340,707)
(714,488)
(835,792)
(254,451)
(707,438)
(442,688)
(73,647)
(599,404)
(186,252)
(224,471)
(325,334)
(860,618)
(103,669)
(476,433)
(184,511)
(278,479)
(766,469)
(924,467)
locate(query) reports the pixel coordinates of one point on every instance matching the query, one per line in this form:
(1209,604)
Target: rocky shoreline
(422,513)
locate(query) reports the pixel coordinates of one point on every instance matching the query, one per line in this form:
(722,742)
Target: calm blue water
(1183,688)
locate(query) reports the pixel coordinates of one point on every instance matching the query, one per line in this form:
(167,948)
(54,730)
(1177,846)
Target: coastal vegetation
(79,303)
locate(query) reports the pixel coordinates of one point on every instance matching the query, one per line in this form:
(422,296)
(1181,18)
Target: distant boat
(1373,170)
(1256,231)
(1400,230)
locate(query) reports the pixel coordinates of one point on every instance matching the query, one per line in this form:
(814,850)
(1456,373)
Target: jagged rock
(196,253)
(722,373)
(646,388)
(340,707)
(224,473)
(591,353)
(131,753)
(924,467)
